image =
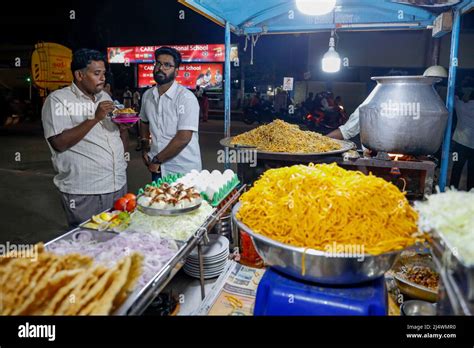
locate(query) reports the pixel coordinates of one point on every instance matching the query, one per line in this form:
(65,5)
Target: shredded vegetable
(451,214)
(179,227)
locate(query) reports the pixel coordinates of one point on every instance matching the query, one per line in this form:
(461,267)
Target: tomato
(131,205)
(129,196)
(121,204)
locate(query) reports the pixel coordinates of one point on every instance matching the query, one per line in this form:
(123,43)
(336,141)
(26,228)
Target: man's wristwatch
(156,161)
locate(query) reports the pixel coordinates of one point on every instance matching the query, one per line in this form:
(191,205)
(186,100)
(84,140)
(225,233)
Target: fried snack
(11,300)
(65,284)
(124,111)
(31,300)
(280,136)
(58,281)
(322,206)
(103,306)
(80,298)
(134,275)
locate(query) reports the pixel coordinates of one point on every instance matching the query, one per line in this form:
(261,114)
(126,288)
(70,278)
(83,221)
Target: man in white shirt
(348,130)
(170,113)
(87,147)
(464,141)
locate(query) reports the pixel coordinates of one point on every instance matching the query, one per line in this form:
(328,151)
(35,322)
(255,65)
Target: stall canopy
(260,17)
(281,16)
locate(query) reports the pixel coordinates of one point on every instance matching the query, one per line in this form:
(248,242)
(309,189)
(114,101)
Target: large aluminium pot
(403,114)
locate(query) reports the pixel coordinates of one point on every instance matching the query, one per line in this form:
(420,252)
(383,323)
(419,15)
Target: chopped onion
(156,251)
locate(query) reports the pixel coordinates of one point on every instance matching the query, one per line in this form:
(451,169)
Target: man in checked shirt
(87,147)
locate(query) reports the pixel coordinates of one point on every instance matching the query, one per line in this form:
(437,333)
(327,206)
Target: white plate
(206,275)
(206,271)
(208,261)
(216,246)
(196,258)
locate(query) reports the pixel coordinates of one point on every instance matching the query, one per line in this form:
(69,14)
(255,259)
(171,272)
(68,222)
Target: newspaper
(234,291)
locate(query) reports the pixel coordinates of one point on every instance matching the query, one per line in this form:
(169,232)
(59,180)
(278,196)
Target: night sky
(99,24)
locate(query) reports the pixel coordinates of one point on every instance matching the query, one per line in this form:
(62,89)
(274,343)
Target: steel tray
(141,298)
(345,146)
(460,272)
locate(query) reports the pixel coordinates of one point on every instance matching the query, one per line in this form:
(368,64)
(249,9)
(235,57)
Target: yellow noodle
(316,206)
(280,136)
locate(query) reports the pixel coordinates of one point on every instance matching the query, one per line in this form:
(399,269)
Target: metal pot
(403,114)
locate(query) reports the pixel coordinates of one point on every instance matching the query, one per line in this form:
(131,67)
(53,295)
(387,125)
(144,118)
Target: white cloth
(352,127)
(177,109)
(96,164)
(464,133)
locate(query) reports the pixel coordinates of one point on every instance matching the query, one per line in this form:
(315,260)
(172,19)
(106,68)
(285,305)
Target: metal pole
(227,90)
(453,63)
(201,271)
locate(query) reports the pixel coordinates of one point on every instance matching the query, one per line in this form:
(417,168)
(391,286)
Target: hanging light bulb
(331,62)
(315,7)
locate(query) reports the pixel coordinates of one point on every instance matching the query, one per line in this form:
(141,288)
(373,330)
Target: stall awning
(282,16)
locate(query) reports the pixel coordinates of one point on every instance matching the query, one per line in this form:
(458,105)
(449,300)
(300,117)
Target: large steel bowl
(319,267)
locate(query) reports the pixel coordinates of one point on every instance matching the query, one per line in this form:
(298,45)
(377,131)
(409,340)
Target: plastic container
(248,254)
(223,192)
(278,294)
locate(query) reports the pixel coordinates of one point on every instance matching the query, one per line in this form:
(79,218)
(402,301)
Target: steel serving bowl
(178,211)
(417,308)
(414,290)
(319,266)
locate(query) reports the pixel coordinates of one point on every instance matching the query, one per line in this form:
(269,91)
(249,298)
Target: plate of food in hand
(127,115)
(174,199)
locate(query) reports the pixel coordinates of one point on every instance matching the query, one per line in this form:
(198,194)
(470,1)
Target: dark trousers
(465,154)
(155,176)
(80,208)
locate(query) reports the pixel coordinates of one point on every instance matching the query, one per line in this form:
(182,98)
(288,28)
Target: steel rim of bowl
(161,212)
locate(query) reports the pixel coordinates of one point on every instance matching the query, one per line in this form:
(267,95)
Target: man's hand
(145,158)
(103,109)
(154,167)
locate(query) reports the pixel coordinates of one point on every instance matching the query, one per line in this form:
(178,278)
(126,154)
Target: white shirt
(464,133)
(177,109)
(96,164)
(351,128)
